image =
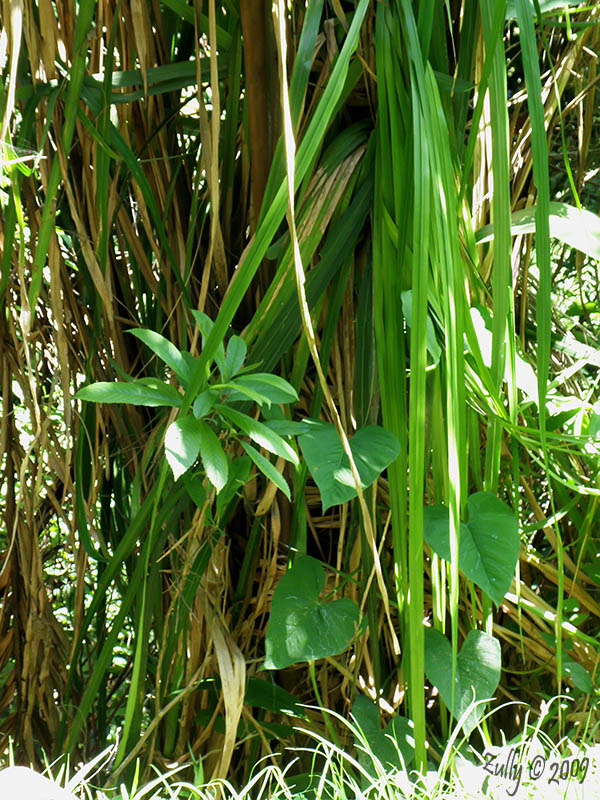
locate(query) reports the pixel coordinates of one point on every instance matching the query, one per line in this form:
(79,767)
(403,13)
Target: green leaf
(204,403)
(236,353)
(577,675)
(194,487)
(239,472)
(477,670)
(260,434)
(431,342)
(546,6)
(267,469)
(400,729)
(275,388)
(574,227)
(594,424)
(373,449)
(213,458)
(274,206)
(165,350)
(266,694)
(300,628)
(238,392)
(205,325)
(286,427)
(489,542)
(182,443)
(141,392)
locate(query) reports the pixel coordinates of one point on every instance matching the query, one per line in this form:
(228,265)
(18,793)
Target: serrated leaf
(260,434)
(300,628)
(182,444)
(149,392)
(489,542)
(234,358)
(165,350)
(373,449)
(267,469)
(213,458)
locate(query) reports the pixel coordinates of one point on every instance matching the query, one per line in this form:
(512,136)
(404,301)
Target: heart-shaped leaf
(373,449)
(477,671)
(384,748)
(489,542)
(300,628)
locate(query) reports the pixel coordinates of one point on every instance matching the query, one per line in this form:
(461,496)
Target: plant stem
(328,725)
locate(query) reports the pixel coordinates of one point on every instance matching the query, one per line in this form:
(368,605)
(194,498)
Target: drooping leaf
(373,449)
(300,628)
(267,469)
(182,443)
(260,434)
(165,350)
(477,671)
(141,392)
(489,542)
(213,458)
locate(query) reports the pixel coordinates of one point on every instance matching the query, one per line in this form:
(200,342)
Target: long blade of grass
(543,297)
(256,250)
(289,148)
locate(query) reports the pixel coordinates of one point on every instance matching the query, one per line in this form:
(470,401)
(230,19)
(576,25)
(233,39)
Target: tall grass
(322,184)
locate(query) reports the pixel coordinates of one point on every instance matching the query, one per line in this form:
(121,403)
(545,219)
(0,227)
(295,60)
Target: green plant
(213,414)
(430,161)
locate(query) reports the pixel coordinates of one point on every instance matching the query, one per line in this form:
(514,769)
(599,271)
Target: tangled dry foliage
(151,129)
